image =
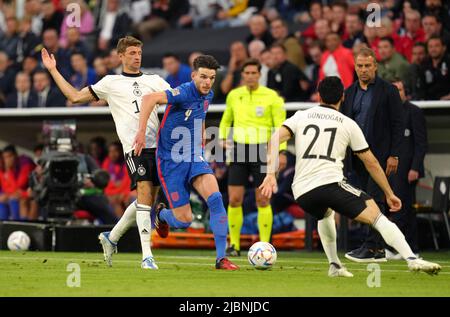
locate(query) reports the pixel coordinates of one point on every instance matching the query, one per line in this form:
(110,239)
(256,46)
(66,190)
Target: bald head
(255,48)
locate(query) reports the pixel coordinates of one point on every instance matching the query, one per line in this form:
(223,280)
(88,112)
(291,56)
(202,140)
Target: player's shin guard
(125,222)
(327,233)
(14,208)
(4,211)
(393,236)
(218,222)
(168,216)
(145,228)
(265,221)
(235,221)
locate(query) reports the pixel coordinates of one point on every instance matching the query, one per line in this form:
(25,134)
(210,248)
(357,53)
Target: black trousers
(98,206)
(405,219)
(362,179)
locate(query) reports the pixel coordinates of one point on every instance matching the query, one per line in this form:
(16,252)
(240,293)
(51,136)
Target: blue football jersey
(180,132)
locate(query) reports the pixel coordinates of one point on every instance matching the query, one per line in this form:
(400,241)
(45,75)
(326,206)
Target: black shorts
(247,160)
(341,197)
(142,168)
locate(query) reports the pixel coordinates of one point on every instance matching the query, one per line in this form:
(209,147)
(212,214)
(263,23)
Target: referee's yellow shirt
(253,115)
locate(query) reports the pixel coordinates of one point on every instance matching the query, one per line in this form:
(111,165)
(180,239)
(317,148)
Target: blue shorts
(176,178)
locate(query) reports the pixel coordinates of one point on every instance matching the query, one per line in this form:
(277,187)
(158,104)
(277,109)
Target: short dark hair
(339,3)
(388,39)
(173,55)
(41,71)
(331,90)
(421,44)
(436,37)
(251,62)
(10,148)
(279,45)
(206,61)
(428,14)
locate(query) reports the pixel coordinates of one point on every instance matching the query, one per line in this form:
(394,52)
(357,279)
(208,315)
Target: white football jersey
(322,136)
(124,94)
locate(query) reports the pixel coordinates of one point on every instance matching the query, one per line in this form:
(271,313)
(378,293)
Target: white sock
(128,218)
(327,233)
(393,236)
(145,228)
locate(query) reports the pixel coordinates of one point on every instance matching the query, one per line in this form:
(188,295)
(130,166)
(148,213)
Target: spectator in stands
(433,26)
(10,39)
(412,154)
(113,62)
(118,188)
(438,8)
(289,10)
(97,149)
(14,183)
(280,32)
(315,52)
(391,65)
(38,151)
(7,75)
(83,74)
(255,50)
(259,30)
(24,97)
(87,23)
(30,65)
(178,73)
(33,9)
(28,41)
(47,95)
(339,11)
(309,34)
(164,14)
(100,68)
(284,198)
(74,43)
(50,42)
(286,78)
(386,30)
(201,14)
(413,33)
(51,18)
(414,83)
(337,60)
(322,29)
(115,24)
(436,71)
(238,55)
(354,28)
(373,103)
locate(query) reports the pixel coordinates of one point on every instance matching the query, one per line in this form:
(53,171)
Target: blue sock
(167,216)
(4,211)
(218,222)
(15,209)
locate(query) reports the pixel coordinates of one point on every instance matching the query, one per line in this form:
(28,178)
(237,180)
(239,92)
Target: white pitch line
(276,268)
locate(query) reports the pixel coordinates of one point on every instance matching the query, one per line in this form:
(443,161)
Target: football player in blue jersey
(179,155)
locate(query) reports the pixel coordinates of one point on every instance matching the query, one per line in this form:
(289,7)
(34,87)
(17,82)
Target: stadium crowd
(298,43)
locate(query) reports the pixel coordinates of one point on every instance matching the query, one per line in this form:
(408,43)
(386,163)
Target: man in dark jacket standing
(376,107)
(410,169)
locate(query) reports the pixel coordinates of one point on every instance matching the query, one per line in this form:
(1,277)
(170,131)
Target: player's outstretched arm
(72,94)
(149,103)
(376,172)
(269,185)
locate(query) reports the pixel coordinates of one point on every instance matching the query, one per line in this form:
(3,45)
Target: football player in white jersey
(124,95)
(322,135)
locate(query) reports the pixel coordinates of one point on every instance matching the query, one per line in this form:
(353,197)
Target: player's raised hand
(49,61)
(395,204)
(269,186)
(139,143)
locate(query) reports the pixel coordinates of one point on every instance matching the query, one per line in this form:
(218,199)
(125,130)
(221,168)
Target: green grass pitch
(191,273)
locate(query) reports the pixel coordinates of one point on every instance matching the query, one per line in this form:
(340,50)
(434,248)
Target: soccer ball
(18,241)
(262,255)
